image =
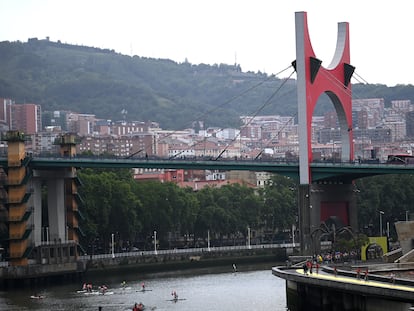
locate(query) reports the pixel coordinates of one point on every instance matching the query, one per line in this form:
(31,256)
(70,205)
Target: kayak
(144,290)
(98,293)
(82,291)
(126,288)
(37,297)
(176,299)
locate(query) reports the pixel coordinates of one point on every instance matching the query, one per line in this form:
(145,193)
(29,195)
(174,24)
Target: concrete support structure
(308,297)
(17,197)
(325,209)
(55,241)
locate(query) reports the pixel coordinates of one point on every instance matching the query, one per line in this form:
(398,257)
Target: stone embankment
(184,260)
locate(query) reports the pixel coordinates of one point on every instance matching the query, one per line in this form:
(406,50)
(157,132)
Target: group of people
(140,306)
(308,267)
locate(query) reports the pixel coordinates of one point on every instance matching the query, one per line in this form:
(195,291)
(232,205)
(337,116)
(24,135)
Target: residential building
(26,118)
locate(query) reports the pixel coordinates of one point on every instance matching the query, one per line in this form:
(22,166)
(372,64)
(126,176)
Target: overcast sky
(259,35)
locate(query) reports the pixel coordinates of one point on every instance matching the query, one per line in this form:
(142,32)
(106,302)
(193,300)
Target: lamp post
(155,242)
(248,238)
(208,240)
(388,229)
(112,245)
(380,215)
(406,215)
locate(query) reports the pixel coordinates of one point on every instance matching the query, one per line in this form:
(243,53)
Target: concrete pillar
(36,218)
(321,201)
(56,209)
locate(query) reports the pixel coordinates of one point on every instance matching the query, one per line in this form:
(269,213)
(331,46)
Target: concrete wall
(405,232)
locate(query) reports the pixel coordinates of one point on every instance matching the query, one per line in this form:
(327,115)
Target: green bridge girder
(320,172)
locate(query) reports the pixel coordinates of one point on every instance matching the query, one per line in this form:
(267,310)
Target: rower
(175,296)
(138,307)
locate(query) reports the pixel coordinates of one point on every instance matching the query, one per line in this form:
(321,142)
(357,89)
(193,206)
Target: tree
(279,208)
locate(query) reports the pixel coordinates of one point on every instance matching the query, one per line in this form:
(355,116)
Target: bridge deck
(346,171)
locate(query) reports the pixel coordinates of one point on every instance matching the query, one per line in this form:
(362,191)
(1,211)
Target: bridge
(320,171)
(26,175)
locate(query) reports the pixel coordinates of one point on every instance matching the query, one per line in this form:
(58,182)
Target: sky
(259,35)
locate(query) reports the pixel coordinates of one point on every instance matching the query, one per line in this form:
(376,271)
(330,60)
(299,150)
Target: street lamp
(380,214)
(406,215)
(208,240)
(112,245)
(248,238)
(155,242)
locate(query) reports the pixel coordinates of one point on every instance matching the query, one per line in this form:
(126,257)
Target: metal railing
(188,251)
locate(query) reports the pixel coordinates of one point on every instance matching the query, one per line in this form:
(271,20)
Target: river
(251,288)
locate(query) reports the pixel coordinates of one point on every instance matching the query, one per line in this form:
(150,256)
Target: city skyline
(378,131)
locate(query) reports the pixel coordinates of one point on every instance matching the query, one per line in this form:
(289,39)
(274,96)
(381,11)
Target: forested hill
(102,82)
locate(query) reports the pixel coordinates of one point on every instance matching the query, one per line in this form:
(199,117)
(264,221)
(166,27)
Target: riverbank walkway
(377,285)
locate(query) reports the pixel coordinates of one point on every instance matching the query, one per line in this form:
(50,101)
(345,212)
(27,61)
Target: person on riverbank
(305,269)
(310,266)
(392,278)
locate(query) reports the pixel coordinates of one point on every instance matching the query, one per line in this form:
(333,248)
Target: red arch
(333,80)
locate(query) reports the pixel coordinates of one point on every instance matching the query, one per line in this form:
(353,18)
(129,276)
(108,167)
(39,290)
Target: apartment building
(26,118)
(133,145)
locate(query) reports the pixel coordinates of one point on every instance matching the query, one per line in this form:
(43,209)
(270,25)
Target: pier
(342,289)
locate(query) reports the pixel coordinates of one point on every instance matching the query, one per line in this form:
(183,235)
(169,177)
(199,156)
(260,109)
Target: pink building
(26,118)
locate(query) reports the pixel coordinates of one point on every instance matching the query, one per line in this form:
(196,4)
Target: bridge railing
(188,251)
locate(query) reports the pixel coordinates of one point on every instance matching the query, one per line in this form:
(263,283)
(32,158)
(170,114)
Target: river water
(218,289)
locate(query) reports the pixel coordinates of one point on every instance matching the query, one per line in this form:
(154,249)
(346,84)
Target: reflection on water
(209,289)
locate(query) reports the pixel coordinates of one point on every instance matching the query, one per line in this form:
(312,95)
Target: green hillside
(89,80)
